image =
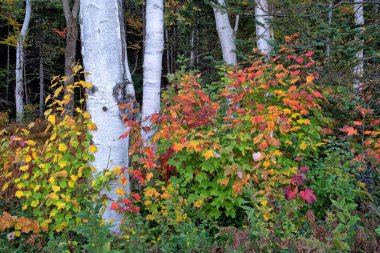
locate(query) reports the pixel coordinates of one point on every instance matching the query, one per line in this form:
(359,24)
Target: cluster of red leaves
(367,129)
(298,180)
(127,205)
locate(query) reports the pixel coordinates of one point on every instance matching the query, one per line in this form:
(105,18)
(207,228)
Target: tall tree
(359,24)
(225,33)
(19,92)
(153,50)
(105,60)
(71,17)
(263,30)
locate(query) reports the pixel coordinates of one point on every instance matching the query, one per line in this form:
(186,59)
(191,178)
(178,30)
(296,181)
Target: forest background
(234,126)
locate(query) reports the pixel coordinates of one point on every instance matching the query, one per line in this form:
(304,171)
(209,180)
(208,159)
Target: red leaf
(124,135)
(289,193)
(136,196)
(114,206)
(317,94)
(308,196)
(349,130)
(298,179)
(310,53)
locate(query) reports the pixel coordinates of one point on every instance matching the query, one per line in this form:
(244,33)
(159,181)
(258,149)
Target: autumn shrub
(51,182)
(238,155)
(4,119)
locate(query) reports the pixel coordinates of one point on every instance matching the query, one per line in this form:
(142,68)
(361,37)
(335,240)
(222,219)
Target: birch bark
(19,92)
(105,60)
(225,33)
(263,31)
(154,46)
(359,24)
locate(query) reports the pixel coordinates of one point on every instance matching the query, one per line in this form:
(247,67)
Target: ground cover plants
(249,163)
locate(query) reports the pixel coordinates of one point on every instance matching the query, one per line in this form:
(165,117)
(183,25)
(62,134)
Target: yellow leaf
(19,194)
(117,170)
(34,203)
(17,233)
(71,183)
(53,196)
(5,186)
(36,188)
(24,168)
(74,178)
(149,175)
(92,149)
(303,146)
(53,212)
(61,205)
(57,91)
(62,147)
(51,119)
(56,188)
(209,153)
(51,180)
(266,164)
(31,143)
(91,126)
(120,192)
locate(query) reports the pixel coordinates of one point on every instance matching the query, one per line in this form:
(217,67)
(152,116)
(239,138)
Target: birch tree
(19,92)
(359,24)
(105,60)
(263,31)
(225,33)
(154,46)
(71,17)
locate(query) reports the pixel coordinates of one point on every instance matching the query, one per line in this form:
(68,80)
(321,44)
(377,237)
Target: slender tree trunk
(359,24)
(25,81)
(71,17)
(329,16)
(167,45)
(19,92)
(225,33)
(154,46)
(192,51)
(263,31)
(104,58)
(8,69)
(42,84)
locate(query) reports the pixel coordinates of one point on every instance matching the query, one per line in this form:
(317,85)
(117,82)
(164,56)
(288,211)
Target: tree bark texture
(154,47)
(104,59)
(225,33)
(19,92)
(263,31)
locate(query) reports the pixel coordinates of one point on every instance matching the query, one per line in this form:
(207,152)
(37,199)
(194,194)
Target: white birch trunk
(263,31)
(154,46)
(19,92)
(359,23)
(104,59)
(225,33)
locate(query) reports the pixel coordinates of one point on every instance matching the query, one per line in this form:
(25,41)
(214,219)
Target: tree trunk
(263,31)
(225,33)
(42,84)
(104,58)
(359,24)
(8,69)
(192,52)
(19,92)
(71,16)
(154,46)
(329,16)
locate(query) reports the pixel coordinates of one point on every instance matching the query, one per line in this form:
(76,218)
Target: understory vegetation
(254,162)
